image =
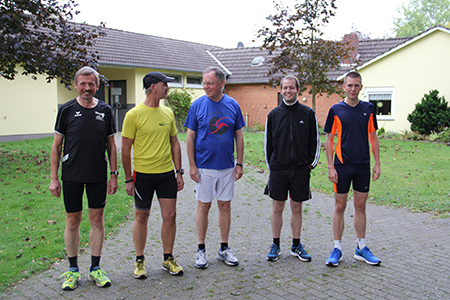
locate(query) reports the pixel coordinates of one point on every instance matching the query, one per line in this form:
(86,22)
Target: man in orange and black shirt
(354,122)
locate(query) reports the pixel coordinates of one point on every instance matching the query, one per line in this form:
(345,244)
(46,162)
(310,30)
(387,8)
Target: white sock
(338,244)
(361,243)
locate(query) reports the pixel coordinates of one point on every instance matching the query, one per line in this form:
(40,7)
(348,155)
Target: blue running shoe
(367,256)
(274,252)
(300,253)
(335,258)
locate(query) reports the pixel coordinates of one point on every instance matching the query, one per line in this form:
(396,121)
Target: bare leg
(169,225)
(277,218)
(97,235)
(224,220)
(201,220)
(72,233)
(140,228)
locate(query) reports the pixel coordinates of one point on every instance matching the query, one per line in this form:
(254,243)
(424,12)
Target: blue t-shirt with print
(215,124)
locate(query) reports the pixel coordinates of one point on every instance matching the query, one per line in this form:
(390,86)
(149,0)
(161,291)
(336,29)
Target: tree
(38,36)
(420,15)
(431,114)
(179,100)
(298,49)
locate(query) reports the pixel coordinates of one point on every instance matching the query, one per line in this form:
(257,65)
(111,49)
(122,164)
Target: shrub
(443,136)
(431,114)
(258,127)
(179,100)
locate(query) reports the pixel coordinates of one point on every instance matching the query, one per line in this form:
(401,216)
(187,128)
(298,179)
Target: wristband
(128,181)
(240,165)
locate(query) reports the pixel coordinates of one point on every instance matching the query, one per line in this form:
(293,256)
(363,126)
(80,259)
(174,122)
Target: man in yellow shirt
(150,130)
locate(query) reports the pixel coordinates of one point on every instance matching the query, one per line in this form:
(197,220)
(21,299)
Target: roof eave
(104,63)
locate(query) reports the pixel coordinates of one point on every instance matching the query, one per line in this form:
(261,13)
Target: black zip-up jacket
(292,137)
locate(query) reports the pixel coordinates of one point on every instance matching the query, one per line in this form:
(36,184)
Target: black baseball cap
(155,77)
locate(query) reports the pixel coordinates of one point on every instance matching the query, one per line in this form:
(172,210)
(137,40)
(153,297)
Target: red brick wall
(257,100)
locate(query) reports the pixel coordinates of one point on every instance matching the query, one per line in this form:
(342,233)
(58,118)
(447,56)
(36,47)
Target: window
(178,82)
(194,82)
(257,61)
(383,100)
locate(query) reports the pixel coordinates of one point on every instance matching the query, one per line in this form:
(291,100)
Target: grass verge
(32,220)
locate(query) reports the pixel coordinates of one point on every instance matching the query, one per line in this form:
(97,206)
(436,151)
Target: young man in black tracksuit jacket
(292,147)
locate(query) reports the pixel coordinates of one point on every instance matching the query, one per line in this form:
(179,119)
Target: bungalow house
(396,74)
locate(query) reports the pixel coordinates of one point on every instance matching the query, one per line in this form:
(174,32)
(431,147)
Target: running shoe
(71,281)
(367,256)
(335,258)
(300,253)
(99,276)
(140,272)
(200,259)
(274,252)
(171,266)
(227,257)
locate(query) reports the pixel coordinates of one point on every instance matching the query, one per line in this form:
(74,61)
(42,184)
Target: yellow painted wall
(140,73)
(121,74)
(27,106)
(413,70)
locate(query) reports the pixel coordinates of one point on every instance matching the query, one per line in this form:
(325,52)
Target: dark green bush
(179,100)
(431,114)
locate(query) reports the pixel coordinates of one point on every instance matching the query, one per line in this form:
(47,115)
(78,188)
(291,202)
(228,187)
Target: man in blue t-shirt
(354,122)
(214,123)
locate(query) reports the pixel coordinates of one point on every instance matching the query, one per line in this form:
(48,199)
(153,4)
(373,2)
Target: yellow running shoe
(71,281)
(172,267)
(140,272)
(98,275)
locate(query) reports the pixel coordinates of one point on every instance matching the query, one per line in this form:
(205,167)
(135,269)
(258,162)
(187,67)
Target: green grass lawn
(415,175)
(32,221)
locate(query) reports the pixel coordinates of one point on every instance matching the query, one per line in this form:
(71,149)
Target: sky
(226,23)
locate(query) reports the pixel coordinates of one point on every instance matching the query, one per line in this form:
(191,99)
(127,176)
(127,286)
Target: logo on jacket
(217,126)
(99,116)
(77,114)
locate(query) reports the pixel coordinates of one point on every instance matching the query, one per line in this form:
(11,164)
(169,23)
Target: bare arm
(373,137)
(112,157)
(190,147)
(126,161)
(176,158)
(238,170)
(329,149)
(55,185)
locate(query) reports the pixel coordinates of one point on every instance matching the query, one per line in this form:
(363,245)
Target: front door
(118,100)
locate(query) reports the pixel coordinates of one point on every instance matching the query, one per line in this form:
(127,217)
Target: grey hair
(217,72)
(87,71)
(148,90)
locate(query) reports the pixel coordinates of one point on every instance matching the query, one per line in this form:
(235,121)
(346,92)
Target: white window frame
(194,86)
(382,90)
(176,84)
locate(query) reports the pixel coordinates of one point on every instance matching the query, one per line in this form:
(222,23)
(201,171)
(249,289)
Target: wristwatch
(114,173)
(181,171)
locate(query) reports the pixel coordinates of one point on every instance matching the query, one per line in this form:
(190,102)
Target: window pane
(177,78)
(382,107)
(194,80)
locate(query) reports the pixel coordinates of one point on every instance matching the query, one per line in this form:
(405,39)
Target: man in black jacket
(292,145)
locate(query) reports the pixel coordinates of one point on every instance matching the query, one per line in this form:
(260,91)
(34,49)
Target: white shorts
(218,183)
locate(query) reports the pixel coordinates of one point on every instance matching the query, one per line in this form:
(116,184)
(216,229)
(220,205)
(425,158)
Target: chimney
(352,39)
